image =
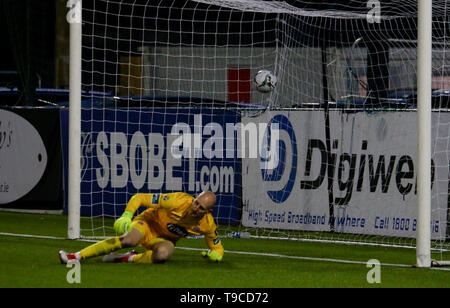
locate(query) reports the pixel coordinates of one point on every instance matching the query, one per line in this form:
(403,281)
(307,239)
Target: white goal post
(424,59)
(74,17)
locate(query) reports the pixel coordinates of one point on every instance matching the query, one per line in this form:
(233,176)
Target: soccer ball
(265,81)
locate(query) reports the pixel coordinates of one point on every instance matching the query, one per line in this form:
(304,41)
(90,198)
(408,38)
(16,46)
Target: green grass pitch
(248,263)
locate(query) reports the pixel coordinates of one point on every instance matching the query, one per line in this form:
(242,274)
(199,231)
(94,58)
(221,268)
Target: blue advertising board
(148,150)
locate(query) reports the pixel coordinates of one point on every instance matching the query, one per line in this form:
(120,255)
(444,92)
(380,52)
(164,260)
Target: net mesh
(168,77)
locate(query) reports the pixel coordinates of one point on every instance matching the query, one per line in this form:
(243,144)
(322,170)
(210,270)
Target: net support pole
(424,75)
(74,121)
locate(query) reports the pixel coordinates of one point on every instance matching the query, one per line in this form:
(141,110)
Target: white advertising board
(369,178)
(23,157)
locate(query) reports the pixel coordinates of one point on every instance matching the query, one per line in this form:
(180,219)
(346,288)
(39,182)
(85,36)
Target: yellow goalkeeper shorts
(149,237)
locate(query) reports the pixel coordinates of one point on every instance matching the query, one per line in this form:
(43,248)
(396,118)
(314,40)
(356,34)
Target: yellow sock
(101,248)
(145,257)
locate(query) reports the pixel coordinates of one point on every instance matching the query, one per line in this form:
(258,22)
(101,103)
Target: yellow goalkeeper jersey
(167,215)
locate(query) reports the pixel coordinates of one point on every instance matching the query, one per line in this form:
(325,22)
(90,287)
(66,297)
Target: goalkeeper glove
(123,224)
(212,255)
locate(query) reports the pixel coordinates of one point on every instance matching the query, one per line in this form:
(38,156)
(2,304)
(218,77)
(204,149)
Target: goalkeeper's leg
(130,239)
(157,250)
(160,252)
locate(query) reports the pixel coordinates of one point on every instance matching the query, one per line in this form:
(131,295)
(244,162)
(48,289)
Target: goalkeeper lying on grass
(168,218)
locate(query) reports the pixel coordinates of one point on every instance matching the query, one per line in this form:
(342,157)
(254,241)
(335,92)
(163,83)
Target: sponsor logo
(285,171)
(359,172)
(191,157)
(177,229)
(23,157)
(155,199)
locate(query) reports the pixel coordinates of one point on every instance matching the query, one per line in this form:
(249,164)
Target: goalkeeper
(168,218)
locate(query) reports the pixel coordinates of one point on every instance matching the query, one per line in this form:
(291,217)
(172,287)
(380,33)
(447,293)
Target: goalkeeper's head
(203,204)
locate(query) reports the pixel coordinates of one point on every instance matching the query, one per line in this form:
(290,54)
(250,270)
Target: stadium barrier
(135,150)
(30,159)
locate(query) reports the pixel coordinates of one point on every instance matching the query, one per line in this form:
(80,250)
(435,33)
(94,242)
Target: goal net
(329,155)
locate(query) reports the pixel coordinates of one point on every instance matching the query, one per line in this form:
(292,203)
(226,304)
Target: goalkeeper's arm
(123,224)
(215,251)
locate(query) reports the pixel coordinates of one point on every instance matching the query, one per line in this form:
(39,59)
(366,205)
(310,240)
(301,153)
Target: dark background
(35,35)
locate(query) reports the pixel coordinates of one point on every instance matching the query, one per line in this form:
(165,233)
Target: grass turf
(248,263)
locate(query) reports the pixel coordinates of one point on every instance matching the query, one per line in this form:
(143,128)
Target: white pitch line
(240,252)
(300,258)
